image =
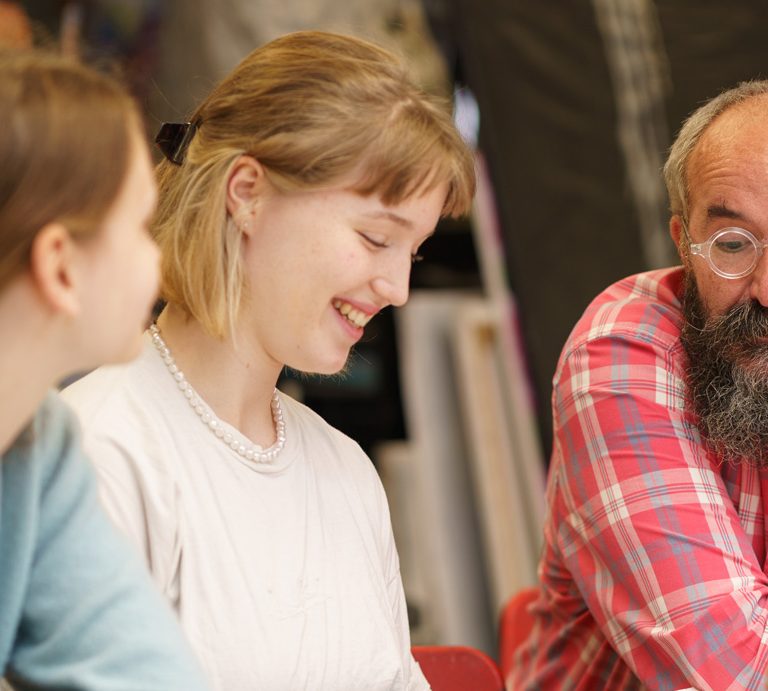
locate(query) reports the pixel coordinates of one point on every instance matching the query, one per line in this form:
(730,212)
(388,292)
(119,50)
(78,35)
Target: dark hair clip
(173,140)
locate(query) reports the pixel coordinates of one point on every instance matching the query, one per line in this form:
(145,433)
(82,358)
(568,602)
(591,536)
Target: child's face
(123,266)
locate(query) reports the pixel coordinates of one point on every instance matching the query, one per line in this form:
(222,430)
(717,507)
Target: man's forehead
(749,111)
(728,168)
(734,129)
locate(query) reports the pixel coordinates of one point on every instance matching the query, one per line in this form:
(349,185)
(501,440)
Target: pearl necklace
(250,452)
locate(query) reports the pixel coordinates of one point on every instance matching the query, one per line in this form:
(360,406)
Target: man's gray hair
(676,167)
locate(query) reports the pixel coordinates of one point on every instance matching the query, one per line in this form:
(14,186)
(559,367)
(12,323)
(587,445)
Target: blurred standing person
(15,27)
(224,31)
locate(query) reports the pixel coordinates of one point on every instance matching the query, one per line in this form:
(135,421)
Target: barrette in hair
(173,139)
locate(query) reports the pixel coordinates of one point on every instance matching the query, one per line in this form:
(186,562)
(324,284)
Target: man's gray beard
(727,385)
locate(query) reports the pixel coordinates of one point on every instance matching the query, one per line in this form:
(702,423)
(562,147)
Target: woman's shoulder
(337,459)
(116,392)
(97,390)
(319,436)
(314,424)
(126,412)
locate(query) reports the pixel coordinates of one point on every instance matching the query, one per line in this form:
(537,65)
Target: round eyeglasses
(731,252)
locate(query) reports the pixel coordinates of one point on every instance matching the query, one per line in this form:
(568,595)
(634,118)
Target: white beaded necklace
(248,451)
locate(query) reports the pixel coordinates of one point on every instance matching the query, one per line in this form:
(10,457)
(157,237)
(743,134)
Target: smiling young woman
(291,208)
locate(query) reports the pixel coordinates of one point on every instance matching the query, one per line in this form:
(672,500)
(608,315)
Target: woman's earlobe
(54,271)
(245,184)
(243,221)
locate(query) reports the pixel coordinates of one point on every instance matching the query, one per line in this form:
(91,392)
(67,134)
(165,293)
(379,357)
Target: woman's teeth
(353,315)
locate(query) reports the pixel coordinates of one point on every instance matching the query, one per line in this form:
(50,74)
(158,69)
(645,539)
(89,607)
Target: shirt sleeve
(416,681)
(91,617)
(645,525)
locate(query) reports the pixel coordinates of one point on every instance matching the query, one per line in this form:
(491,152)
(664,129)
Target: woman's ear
(53,269)
(245,184)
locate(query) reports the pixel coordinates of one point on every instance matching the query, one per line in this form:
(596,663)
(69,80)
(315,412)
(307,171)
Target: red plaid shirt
(654,566)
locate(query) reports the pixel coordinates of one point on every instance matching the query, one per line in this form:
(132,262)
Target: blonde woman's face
(321,263)
(123,267)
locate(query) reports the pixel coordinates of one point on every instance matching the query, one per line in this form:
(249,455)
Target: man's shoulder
(644,306)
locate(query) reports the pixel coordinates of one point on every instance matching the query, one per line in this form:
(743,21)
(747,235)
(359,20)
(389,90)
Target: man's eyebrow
(722,211)
(389,216)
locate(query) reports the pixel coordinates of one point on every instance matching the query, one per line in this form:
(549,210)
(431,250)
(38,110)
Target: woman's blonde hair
(313,108)
(65,150)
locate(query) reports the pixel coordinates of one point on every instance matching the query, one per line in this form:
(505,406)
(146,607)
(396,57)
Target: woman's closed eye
(379,242)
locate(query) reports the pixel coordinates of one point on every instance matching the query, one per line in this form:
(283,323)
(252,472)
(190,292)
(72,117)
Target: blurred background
(571,106)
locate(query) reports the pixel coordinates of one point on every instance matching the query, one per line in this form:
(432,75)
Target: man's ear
(53,270)
(676,231)
(246,183)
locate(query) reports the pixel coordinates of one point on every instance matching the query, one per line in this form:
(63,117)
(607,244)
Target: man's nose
(758,289)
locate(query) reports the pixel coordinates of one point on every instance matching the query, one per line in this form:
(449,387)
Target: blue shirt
(77,609)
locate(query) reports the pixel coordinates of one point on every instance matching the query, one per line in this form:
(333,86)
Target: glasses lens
(732,252)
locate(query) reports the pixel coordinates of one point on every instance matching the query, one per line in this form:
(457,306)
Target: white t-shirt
(284,576)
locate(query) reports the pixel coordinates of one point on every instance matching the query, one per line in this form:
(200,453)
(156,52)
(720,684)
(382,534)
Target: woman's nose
(392,284)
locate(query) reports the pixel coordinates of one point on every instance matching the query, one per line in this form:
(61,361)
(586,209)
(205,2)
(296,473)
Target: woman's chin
(322,368)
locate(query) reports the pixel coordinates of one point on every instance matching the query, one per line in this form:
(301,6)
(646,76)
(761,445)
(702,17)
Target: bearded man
(653,573)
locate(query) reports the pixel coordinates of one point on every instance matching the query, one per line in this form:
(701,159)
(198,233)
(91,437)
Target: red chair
(458,668)
(515,625)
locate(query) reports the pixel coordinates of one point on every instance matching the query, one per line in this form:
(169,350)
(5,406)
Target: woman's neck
(236,382)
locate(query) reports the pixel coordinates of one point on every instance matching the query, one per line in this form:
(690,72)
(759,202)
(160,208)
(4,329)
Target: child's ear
(53,267)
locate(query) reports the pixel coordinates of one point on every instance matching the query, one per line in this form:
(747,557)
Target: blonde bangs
(414,154)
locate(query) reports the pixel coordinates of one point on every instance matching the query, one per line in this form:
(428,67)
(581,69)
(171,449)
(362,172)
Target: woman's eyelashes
(381,243)
(374,241)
